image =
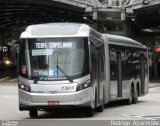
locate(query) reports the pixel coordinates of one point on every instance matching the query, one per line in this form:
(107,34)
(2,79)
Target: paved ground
(148,107)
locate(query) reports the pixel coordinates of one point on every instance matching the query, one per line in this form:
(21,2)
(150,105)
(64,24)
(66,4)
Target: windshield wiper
(58,67)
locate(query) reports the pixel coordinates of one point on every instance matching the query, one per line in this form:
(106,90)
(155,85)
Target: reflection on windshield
(70,54)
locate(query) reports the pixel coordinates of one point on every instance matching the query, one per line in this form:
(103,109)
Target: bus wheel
(33,113)
(89,111)
(135,99)
(129,101)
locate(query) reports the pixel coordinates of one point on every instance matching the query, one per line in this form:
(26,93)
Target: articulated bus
(65,65)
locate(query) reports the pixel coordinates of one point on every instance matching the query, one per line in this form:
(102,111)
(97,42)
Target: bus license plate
(53,103)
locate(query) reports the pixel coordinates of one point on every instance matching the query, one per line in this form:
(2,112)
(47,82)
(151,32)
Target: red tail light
(24,71)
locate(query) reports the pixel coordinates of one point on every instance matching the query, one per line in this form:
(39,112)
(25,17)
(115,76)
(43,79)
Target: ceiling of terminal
(147,17)
(17,13)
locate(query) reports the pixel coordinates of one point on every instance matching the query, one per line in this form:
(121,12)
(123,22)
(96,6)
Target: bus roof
(56,30)
(121,40)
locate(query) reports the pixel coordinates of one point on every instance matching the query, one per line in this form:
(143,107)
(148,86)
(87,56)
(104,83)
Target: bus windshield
(54,58)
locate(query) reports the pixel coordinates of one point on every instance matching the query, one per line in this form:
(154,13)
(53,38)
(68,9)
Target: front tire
(33,113)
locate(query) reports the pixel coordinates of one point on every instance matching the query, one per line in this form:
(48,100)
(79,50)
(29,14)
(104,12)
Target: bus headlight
(24,87)
(84,85)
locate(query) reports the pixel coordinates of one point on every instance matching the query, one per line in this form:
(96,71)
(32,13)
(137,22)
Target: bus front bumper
(81,98)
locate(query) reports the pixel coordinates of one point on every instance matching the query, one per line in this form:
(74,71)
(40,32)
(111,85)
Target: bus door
(119,74)
(101,74)
(116,74)
(142,74)
(97,72)
(94,69)
(97,75)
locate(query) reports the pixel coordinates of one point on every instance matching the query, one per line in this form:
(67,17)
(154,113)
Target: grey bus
(72,65)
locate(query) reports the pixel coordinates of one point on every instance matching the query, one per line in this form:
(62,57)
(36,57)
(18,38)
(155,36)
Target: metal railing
(81,3)
(123,3)
(116,3)
(104,3)
(93,3)
(143,2)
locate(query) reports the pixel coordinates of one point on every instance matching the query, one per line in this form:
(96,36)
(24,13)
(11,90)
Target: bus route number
(67,88)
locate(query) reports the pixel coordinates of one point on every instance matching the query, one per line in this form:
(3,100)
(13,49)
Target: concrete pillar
(131,30)
(2,37)
(127,28)
(100,26)
(2,42)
